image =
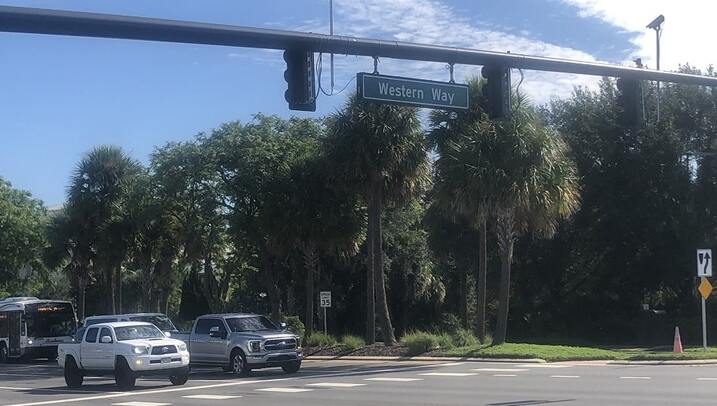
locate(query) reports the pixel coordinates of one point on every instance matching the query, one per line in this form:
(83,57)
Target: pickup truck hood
(153,343)
(266,335)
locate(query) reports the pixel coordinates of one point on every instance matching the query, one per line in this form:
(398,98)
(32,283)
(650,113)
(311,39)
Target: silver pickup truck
(242,342)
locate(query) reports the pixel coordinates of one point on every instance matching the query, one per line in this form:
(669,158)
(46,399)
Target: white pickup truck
(126,350)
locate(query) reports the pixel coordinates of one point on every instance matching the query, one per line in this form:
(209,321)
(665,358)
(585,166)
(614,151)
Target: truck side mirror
(106,340)
(283,326)
(167,334)
(215,333)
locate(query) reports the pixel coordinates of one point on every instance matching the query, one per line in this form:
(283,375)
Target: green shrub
(419,342)
(295,325)
(318,339)
(352,342)
(445,341)
(464,338)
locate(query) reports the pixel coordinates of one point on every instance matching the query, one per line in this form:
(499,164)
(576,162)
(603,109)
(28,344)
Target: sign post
(704,270)
(325,301)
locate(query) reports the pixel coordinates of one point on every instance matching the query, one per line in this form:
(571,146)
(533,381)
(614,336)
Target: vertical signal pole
(331,32)
(704,324)
(656,25)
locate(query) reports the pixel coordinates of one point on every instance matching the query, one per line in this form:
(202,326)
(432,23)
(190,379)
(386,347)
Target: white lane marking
(210,397)
(450,364)
(393,379)
(336,385)
(13,388)
(543,366)
(223,384)
(636,377)
(24,374)
(707,379)
(505,375)
(448,374)
(498,370)
(565,376)
(141,404)
(148,392)
(283,390)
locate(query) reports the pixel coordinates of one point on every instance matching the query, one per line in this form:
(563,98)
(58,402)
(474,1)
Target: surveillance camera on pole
(656,25)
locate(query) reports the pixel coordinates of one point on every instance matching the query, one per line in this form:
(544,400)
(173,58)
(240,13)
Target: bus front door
(14,319)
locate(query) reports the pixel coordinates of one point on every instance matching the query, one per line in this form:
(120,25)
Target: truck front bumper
(273,359)
(150,363)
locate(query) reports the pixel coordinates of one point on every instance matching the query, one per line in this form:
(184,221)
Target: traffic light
(497,90)
(629,99)
(299,76)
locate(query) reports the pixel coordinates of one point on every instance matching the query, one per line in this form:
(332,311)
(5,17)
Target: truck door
(14,320)
(203,348)
(90,350)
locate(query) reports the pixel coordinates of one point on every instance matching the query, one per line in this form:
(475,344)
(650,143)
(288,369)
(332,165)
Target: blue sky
(60,96)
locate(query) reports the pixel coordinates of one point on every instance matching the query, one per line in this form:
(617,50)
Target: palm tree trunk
(370,297)
(380,282)
(481,281)
(463,292)
(506,239)
(109,281)
(81,293)
(310,265)
(118,286)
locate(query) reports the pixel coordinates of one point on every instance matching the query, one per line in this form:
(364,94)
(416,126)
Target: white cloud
(687,36)
(433,22)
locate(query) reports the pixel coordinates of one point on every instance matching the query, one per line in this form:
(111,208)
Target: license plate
(166,360)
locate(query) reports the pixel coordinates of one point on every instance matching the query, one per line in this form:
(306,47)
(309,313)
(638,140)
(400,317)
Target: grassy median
(569,353)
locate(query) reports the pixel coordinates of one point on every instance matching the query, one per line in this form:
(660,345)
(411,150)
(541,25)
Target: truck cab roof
(228,315)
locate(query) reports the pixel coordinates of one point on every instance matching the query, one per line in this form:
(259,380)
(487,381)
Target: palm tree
(99,188)
(379,152)
(311,215)
(448,127)
(521,173)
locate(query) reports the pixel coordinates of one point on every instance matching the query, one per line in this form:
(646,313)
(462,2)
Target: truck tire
(124,377)
(237,363)
(4,355)
(73,375)
(292,367)
(179,377)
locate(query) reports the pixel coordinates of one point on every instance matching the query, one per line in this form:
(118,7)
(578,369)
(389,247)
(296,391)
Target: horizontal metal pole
(42,21)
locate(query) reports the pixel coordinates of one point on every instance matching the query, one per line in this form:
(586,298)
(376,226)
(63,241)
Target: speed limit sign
(325,299)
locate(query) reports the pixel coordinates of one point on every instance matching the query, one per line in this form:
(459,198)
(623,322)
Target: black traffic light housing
(299,76)
(497,90)
(629,100)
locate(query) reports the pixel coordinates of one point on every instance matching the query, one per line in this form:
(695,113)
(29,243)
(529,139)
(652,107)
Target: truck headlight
(182,347)
(254,346)
(140,350)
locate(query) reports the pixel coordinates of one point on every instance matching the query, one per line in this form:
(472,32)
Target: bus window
(50,320)
(3,325)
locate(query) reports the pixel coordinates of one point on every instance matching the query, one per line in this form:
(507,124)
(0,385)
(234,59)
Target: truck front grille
(164,349)
(280,344)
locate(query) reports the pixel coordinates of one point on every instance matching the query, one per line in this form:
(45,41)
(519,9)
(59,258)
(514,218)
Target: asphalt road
(336,383)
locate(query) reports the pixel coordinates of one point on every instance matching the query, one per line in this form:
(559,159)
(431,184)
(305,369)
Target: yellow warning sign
(705,288)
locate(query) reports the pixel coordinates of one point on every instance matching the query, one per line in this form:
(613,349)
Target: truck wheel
(179,377)
(124,377)
(292,367)
(73,375)
(4,356)
(238,364)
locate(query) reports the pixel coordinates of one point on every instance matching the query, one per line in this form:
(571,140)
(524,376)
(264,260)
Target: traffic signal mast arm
(43,21)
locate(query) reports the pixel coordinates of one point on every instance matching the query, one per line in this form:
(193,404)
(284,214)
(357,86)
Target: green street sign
(412,92)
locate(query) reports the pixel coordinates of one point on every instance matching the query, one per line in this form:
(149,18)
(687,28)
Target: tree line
(559,220)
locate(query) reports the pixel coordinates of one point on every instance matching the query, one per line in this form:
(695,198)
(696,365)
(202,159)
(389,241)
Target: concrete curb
(667,362)
(445,359)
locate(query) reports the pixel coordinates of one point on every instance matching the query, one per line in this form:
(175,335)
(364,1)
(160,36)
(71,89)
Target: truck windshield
(50,320)
(161,321)
(257,323)
(137,332)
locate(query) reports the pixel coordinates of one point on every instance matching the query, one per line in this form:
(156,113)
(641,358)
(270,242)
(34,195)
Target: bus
(32,327)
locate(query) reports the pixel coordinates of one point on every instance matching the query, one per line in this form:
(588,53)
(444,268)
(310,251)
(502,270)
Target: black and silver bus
(32,327)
